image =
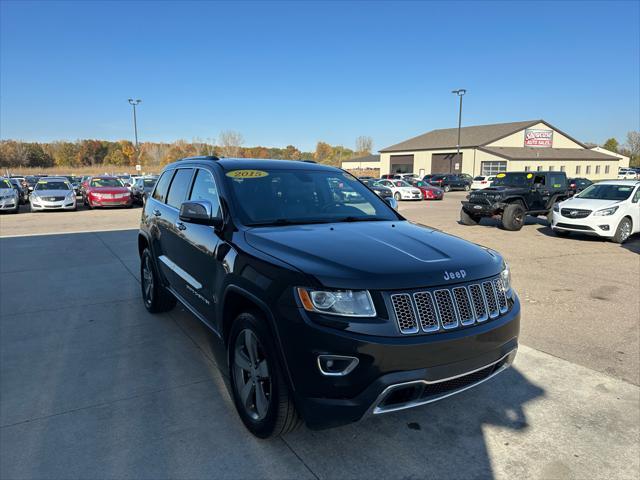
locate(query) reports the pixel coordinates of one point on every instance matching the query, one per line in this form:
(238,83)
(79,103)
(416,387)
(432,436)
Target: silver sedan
(53,193)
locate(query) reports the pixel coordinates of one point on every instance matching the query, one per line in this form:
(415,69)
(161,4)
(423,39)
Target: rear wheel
(156,297)
(446,188)
(467,219)
(467,188)
(260,392)
(623,232)
(513,217)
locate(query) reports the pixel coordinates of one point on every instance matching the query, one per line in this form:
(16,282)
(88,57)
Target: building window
(588,169)
(578,168)
(606,169)
(527,168)
(563,168)
(539,168)
(597,169)
(551,168)
(490,169)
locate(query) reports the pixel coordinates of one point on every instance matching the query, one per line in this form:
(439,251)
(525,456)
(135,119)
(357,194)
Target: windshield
(52,185)
(149,182)
(281,197)
(401,183)
(106,182)
(515,179)
(606,192)
(4,183)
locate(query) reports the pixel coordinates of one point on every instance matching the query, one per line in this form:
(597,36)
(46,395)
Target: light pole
(135,122)
(460,92)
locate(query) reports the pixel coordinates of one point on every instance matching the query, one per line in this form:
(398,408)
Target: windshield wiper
(283,221)
(360,219)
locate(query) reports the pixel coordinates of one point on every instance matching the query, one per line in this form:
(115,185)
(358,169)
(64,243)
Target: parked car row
(61,192)
(411,188)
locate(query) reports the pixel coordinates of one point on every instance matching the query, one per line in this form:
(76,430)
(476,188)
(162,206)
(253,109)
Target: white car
(401,189)
(405,176)
(608,209)
(9,200)
(52,193)
(627,174)
(481,182)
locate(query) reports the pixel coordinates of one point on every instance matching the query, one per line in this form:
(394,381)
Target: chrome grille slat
(463,304)
(490,298)
(501,295)
(442,309)
(479,304)
(446,309)
(405,313)
(426,311)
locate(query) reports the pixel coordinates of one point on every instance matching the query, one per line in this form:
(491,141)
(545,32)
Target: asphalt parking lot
(92,386)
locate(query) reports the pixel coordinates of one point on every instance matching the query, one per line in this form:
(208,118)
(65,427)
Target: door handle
(157,213)
(181,226)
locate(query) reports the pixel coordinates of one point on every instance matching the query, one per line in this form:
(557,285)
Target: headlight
(505,275)
(556,208)
(71,195)
(606,211)
(347,303)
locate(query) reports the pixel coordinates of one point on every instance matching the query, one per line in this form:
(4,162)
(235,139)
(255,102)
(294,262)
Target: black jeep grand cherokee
(325,304)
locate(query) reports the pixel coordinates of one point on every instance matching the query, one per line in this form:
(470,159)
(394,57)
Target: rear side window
(179,187)
(204,188)
(557,181)
(160,193)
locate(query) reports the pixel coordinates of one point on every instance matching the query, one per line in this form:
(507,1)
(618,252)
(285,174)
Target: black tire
(263,378)
(397,196)
(446,188)
(562,233)
(155,296)
(513,217)
(623,232)
(467,219)
(550,217)
(467,188)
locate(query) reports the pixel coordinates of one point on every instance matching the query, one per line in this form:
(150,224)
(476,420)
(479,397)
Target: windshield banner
(538,138)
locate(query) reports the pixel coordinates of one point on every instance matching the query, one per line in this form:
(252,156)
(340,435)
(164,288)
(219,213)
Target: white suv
(608,209)
(627,174)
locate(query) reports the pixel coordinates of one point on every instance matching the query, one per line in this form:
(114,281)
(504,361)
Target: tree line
(94,153)
(630,149)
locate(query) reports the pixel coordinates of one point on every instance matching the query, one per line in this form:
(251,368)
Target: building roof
(366,158)
(597,148)
(533,153)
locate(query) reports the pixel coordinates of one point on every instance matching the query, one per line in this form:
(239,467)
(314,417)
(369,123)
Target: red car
(106,192)
(428,192)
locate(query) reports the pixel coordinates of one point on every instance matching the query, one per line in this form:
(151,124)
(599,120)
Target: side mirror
(393,203)
(199,212)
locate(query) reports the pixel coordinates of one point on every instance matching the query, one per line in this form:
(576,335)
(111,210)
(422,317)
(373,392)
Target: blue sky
(285,72)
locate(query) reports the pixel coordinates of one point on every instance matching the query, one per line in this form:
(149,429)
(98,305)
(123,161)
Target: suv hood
(375,255)
(588,203)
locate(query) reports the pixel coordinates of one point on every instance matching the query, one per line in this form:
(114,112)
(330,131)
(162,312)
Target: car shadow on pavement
(497,223)
(632,244)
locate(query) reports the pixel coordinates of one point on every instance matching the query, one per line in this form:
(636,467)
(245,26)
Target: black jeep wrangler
(513,196)
(325,305)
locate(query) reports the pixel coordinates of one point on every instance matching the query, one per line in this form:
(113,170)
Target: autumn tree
(364,145)
(323,152)
(292,153)
(611,145)
(633,145)
(91,152)
(230,142)
(64,153)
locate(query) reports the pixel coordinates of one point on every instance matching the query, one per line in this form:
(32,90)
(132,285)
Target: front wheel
(446,188)
(155,296)
(467,219)
(467,188)
(623,232)
(397,196)
(513,217)
(260,393)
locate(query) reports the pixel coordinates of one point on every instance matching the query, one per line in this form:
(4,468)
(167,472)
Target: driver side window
(204,188)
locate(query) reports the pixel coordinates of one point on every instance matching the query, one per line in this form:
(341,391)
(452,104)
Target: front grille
(574,213)
(575,227)
(449,308)
(53,199)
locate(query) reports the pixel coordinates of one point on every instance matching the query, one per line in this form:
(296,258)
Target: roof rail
(201,157)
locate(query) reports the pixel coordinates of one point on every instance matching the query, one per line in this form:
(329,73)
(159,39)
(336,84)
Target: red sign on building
(538,138)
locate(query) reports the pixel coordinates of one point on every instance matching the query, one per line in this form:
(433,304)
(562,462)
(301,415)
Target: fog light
(336,365)
(604,227)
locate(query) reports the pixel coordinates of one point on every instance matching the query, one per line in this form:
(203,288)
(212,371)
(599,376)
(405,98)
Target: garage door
(401,163)
(446,163)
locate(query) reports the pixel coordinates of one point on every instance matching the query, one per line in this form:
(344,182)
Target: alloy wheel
(147,281)
(625,230)
(251,375)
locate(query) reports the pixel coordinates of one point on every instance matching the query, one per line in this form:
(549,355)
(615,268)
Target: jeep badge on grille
(451,275)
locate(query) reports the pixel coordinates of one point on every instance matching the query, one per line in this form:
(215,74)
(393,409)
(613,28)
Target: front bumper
(482,209)
(411,196)
(39,204)
(8,203)
(111,202)
(602,226)
(393,373)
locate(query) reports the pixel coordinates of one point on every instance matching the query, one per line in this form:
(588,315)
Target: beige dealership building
(490,149)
